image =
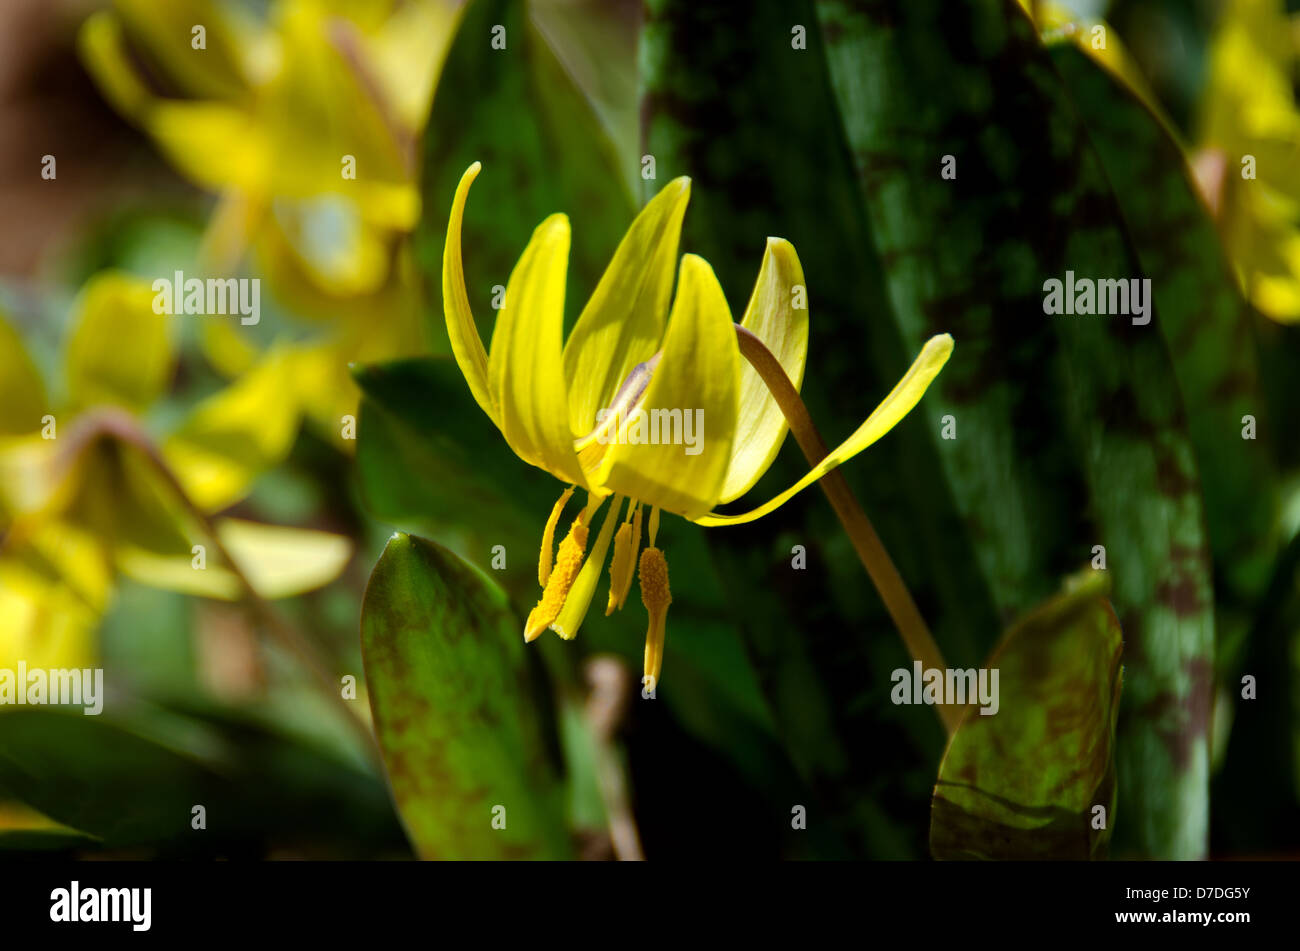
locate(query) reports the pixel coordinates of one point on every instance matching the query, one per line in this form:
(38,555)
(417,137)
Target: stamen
(579,600)
(548,537)
(567,565)
(656,597)
(626,544)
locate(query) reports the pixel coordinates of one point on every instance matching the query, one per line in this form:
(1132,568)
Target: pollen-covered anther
(656,597)
(568,562)
(544,560)
(626,543)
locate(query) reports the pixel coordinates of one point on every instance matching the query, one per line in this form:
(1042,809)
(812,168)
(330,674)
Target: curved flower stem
(871,551)
(120,425)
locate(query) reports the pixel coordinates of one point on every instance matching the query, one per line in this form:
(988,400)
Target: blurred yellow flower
(84,494)
(1249,163)
(305,123)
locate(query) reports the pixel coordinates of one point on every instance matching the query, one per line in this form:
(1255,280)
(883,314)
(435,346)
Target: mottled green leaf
(1206,323)
(1024,781)
(1070,429)
(458,724)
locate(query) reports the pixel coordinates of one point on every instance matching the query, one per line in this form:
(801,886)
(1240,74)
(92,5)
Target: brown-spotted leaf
(457,722)
(1022,783)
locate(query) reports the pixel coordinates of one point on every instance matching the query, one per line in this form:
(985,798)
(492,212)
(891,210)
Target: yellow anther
(656,597)
(578,602)
(567,565)
(548,538)
(626,543)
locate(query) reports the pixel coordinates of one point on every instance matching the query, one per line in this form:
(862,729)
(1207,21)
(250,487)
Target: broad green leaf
(1206,324)
(119,351)
(1023,782)
(543,151)
(1071,429)
(94,776)
(457,721)
(26,830)
(132,779)
(430,461)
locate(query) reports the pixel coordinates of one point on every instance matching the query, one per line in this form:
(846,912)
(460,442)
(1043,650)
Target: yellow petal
(103,51)
(116,309)
(213,144)
(900,401)
(778,316)
(237,433)
(623,322)
(408,52)
(525,369)
(164,34)
(466,345)
(279,562)
(695,382)
(22,392)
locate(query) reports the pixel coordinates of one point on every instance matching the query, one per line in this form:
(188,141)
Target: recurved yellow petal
(778,315)
(623,322)
(165,34)
(674,448)
(120,350)
(900,401)
(103,51)
(525,368)
(466,344)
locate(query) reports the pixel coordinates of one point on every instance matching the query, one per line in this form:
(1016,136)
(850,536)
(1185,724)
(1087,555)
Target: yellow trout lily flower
(643,402)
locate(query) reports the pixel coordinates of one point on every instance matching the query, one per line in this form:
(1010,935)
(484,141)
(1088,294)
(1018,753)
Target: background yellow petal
(213,144)
(698,378)
(408,52)
(22,391)
(525,366)
(778,316)
(466,344)
(236,434)
(279,562)
(900,401)
(120,351)
(623,322)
